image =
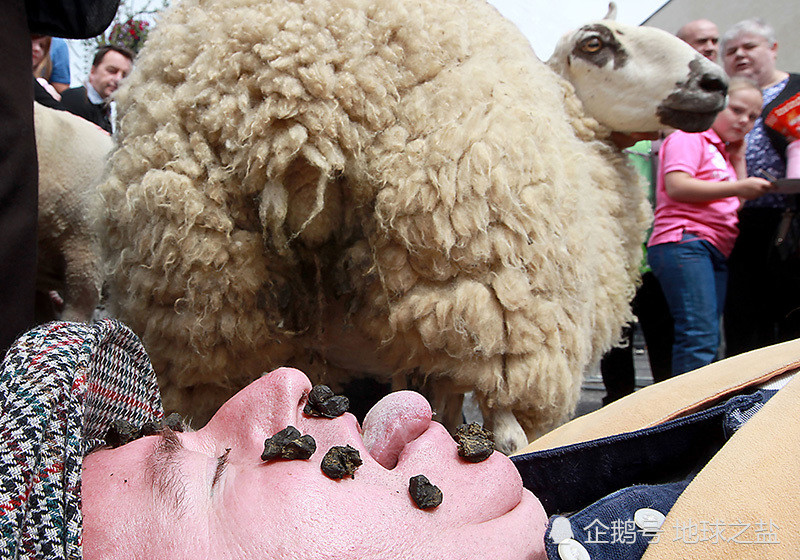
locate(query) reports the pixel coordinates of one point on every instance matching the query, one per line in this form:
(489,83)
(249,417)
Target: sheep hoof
(509,436)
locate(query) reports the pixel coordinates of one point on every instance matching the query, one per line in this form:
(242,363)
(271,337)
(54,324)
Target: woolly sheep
(72,154)
(390,188)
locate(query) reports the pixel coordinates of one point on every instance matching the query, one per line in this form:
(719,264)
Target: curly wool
(374,187)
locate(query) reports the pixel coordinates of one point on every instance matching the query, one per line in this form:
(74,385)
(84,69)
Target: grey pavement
(593,390)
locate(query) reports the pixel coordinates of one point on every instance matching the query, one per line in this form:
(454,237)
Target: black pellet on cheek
(323,403)
(475,443)
(289,444)
(340,462)
(424,494)
(119,433)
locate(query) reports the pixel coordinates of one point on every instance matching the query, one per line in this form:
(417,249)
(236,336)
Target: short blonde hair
(738,83)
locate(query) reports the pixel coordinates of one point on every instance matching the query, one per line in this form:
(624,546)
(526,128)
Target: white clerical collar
(94,97)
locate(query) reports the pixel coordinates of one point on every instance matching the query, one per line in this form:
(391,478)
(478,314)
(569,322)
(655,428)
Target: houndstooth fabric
(61,384)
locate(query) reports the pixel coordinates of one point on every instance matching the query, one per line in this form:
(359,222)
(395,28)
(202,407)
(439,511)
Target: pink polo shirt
(702,155)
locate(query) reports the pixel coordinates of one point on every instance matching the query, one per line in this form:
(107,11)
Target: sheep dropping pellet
(288,444)
(120,432)
(322,402)
(150,428)
(340,462)
(175,422)
(424,494)
(475,443)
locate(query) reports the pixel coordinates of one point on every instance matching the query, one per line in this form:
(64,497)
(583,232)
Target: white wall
(783,15)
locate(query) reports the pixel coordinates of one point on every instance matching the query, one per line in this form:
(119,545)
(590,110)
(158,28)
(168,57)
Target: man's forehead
(699,29)
(749,39)
(115,58)
(706,29)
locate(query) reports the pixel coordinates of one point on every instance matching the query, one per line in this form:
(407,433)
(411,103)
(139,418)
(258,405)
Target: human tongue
(394,421)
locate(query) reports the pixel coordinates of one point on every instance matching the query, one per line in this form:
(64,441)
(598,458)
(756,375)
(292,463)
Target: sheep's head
(640,79)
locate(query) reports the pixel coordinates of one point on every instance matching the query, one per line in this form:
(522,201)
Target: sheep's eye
(591,45)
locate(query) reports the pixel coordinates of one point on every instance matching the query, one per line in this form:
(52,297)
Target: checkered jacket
(61,385)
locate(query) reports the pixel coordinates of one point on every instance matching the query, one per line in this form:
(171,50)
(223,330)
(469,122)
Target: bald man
(703,36)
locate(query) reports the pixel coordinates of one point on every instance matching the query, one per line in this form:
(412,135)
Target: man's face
(109,72)
(703,36)
(207,494)
(751,56)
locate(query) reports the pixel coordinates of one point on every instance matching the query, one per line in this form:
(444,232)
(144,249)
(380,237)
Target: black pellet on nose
(424,494)
(288,444)
(475,443)
(341,461)
(323,403)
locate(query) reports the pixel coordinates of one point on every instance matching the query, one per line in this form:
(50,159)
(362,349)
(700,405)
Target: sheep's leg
(82,279)
(508,433)
(446,402)
(448,409)
(400,382)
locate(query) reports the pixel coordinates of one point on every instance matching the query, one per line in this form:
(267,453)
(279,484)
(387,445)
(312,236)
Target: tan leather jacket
(755,477)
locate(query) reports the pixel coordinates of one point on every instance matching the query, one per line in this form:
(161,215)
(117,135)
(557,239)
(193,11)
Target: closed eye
(222,463)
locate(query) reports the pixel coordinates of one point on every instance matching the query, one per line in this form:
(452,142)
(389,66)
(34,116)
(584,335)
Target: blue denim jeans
(693,275)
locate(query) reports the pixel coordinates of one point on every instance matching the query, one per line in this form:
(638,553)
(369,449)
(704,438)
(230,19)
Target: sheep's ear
(612,11)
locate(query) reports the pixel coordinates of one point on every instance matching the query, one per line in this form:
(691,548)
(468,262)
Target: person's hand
(753,187)
(736,149)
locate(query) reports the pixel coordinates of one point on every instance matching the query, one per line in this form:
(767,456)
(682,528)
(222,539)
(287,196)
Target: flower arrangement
(130,33)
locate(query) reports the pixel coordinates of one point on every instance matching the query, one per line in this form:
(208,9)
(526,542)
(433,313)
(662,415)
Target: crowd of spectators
(751,287)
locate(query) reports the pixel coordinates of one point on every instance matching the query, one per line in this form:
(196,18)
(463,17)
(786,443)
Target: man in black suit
(110,66)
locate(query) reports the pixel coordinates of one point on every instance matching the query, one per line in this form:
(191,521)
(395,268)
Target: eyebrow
(164,472)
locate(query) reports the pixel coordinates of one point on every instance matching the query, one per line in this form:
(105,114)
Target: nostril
(713,82)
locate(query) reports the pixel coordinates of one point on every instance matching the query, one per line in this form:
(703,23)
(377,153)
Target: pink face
(739,116)
(109,73)
(750,56)
(39,47)
(154,499)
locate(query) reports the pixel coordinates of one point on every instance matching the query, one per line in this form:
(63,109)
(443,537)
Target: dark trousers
(616,367)
(763,303)
(18,177)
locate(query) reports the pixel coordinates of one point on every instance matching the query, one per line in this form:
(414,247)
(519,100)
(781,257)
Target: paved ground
(593,390)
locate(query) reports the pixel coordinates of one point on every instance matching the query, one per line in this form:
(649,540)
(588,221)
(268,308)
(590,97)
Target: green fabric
(641,156)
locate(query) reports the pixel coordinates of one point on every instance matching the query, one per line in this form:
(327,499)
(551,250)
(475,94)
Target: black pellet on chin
(340,462)
(289,444)
(424,494)
(323,403)
(475,443)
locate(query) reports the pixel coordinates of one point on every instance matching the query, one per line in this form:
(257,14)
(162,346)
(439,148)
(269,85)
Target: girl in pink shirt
(701,183)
